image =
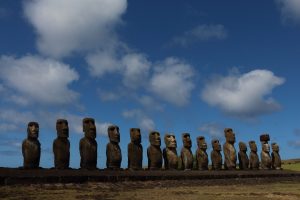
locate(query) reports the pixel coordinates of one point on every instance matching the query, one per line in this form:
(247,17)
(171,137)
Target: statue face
(186,139)
(135,135)
(89,128)
(275,147)
(242,146)
(201,143)
(33,130)
(253,146)
(230,136)
(216,145)
(62,128)
(113,134)
(170,141)
(266,148)
(154,138)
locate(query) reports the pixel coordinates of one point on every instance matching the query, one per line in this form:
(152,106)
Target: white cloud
(243,95)
(38,80)
(172,81)
(13,120)
(202,32)
(67,26)
(290,10)
(109,95)
(215,130)
(144,122)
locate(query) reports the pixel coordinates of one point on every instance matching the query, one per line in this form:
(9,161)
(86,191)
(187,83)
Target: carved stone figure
(113,150)
(31,147)
(266,161)
(61,145)
(276,160)
(201,155)
(243,157)
(254,160)
(216,156)
(135,150)
(229,150)
(170,152)
(186,153)
(154,153)
(88,145)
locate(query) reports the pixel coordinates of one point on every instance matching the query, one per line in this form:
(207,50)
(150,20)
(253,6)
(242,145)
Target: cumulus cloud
(243,95)
(290,10)
(214,130)
(173,81)
(13,120)
(202,32)
(37,80)
(67,26)
(144,122)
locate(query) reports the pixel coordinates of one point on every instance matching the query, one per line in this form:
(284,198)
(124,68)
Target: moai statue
(88,145)
(186,153)
(243,157)
(266,161)
(31,147)
(154,153)
(253,157)
(113,150)
(170,152)
(135,150)
(61,145)
(216,156)
(229,150)
(201,155)
(276,160)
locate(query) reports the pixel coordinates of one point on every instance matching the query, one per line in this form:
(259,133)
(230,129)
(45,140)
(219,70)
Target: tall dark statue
(243,157)
(113,150)
(201,155)
(31,147)
(229,150)
(88,145)
(186,153)
(154,153)
(254,160)
(170,152)
(216,156)
(135,150)
(276,160)
(61,145)
(266,161)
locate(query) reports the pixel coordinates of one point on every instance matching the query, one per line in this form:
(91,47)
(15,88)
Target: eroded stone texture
(266,161)
(201,155)
(135,150)
(253,157)
(243,157)
(170,152)
(186,153)
(154,153)
(31,147)
(88,145)
(276,160)
(61,145)
(229,150)
(113,150)
(216,156)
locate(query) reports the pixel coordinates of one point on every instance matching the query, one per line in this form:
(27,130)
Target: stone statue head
(229,135)
(265,147)
(253,146)
(33,130)
(89,128)
(242,146)
(170,140)
(264,137)
(186,139)
(201,143)
(62,128)
(154,138)
(275,147)
(216,145)
(113,134)
(135,135)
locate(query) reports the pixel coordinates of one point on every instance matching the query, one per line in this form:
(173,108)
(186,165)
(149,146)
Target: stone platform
(12,176)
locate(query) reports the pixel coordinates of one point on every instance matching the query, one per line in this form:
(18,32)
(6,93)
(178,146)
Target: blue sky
(173,66)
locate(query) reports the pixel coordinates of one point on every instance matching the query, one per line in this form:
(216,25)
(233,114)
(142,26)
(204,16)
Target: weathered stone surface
(229,150)
(88,145)
(254,160)
(276,160)
(186,153)
(135,150)
(216,156)
(243,157)
(154,152)
(201,155)
(113,150)
(31,147)
(170,152)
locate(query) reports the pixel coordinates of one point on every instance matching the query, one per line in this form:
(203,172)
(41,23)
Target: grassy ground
(293,166)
